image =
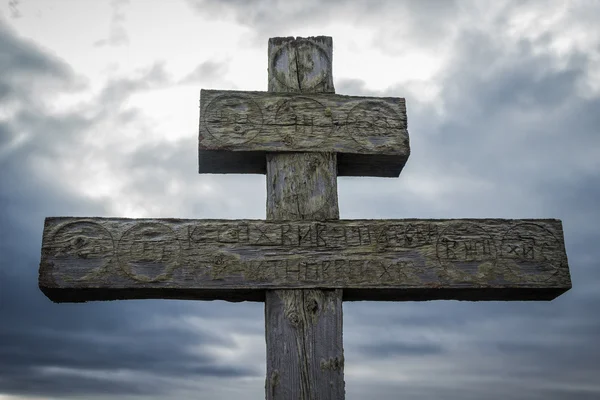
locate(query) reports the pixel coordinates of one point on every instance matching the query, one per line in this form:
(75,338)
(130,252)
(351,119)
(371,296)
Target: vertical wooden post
(305,356)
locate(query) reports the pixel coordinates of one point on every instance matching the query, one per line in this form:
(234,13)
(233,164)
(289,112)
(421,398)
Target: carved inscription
(85,240)
(233,119)
(223,254)
(465,242)
(149,252)
(341,271)
(419,234)
(314,234)
(373,124)
(259,121)
(533,249)
(466,251)
(303,122)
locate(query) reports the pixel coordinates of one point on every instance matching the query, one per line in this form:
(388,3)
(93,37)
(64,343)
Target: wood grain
(259,122)
(470,259)
(301,64)
(304,336)
(302,186)
(305,358)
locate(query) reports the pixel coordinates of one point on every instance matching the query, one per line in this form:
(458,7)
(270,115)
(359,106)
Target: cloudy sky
(98,117)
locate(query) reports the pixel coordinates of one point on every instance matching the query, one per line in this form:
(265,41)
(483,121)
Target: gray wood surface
(302,186)
(316,122)
(369,132)
(301,64)
(305,358)
(85,259)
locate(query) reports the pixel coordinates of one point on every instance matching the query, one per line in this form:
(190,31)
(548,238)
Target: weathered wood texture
(316,122)
(304,336)
(305,352)
(491,259)
(302,186)
(368,133)
(301,64)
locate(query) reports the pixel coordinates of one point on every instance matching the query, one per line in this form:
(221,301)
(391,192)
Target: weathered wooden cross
(302,261)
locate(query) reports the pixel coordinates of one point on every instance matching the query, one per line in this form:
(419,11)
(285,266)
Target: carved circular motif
(303,122)
(313,63)
(374,125)
(149,252)
(85,240)
(233,119)
(463,248)
(534,249)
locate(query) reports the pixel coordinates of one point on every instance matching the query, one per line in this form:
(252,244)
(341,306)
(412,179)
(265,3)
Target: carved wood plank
(305,358)
(317,122)
(369,132)
(469,259)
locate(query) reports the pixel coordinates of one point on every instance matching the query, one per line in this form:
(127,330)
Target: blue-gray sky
(98,117)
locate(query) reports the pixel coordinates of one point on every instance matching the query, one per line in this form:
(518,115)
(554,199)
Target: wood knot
(294,319)
(312,306)
(219,260)
(288,140)
(274,381)
(333,364)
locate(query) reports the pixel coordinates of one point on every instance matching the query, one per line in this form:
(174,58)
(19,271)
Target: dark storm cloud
(465,389)
(78,349)
(393,348)
(91,347)
(20,59)
(514,120)
(516,137)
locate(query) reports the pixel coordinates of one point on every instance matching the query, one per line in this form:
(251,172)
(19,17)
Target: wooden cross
(302,261)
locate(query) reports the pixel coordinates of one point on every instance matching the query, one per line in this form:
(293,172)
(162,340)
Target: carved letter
(285,229)
(320,228)
(449,246)
(289,269)
(303,235)
(384,271)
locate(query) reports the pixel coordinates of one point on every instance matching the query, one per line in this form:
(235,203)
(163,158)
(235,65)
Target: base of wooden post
(305,356)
